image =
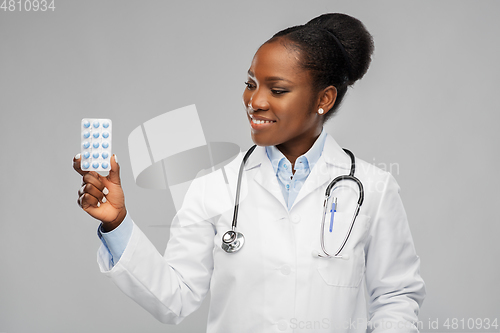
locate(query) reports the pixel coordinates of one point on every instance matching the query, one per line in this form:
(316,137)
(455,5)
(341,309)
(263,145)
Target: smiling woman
(280,102)
(296,81)
(299,77)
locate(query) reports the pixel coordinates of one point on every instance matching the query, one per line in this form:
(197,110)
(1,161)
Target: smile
(255,121)
(260,124)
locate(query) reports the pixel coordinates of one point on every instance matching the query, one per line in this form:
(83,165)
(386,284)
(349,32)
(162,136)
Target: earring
(320,111)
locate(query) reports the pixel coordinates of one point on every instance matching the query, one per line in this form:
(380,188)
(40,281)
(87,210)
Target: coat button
(286,270)
(295,218)
(282,325)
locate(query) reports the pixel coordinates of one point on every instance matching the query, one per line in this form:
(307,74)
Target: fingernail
(116,158)
(105,191)
(98,204)
(77,156)
(104,199)
(81,190)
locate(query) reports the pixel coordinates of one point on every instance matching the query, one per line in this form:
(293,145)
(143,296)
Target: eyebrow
(270,78)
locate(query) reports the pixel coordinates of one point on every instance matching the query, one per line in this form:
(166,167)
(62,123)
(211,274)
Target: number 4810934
(27,5)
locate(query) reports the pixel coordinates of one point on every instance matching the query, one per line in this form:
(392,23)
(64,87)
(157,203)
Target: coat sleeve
(172,286)
(393,281)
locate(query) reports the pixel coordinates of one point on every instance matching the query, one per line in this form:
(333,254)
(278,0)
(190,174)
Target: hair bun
(336,49)
(352,34)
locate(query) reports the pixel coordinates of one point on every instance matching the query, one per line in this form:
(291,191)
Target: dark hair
(335,48)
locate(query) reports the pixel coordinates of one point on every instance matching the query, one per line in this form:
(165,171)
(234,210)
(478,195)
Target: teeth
(255,121)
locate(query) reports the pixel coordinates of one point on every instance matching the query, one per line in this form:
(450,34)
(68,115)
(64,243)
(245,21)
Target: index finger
(76,165)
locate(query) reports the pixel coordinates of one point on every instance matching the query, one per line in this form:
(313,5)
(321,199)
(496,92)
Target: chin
(258,140)
(262,141)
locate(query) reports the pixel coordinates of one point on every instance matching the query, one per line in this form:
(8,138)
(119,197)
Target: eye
(249,85)
(278,91)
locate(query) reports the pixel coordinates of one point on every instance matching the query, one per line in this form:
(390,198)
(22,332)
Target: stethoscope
(232,240)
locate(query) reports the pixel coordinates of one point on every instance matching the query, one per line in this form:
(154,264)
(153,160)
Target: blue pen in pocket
(333,210)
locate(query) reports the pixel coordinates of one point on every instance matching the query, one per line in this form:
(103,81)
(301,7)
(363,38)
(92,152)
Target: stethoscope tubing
(322,233)
(361,198)
(233,240)
(237,197)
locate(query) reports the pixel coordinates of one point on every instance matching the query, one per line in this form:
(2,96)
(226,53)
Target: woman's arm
(169,287)
(393,280)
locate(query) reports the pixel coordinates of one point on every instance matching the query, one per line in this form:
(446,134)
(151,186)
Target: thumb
(114,173)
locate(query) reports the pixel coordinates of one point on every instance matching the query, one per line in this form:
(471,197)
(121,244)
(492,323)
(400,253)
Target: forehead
(274,59)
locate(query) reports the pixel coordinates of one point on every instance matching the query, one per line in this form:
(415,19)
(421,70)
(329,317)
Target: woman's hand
(102,197)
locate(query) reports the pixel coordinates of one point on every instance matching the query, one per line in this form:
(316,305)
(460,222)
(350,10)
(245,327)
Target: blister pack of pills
(95,144)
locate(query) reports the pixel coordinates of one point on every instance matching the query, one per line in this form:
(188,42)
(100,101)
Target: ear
(327,98)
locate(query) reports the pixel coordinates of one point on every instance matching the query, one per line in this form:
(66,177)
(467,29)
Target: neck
(292,150)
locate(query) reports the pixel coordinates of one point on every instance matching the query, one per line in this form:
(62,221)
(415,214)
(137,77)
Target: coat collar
(332,162)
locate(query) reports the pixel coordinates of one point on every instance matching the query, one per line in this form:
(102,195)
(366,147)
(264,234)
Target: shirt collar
(308,159)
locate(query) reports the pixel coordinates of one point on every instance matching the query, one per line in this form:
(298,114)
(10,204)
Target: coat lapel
(333,162)
(265,175)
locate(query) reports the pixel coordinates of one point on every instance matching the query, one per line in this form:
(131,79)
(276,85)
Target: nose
(258,101)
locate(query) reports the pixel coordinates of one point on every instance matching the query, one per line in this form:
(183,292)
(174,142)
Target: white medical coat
(274,283)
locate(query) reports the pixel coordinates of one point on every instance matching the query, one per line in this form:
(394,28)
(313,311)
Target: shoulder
(226,172)
(366,169)
(230,164)
(376,178)
(373,177)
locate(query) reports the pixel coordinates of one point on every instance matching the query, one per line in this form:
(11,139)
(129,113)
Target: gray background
(428,105)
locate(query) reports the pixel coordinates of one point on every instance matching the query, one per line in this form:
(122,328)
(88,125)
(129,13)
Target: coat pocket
(345,272)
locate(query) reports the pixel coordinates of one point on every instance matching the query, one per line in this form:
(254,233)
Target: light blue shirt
(289,182)
(116,240)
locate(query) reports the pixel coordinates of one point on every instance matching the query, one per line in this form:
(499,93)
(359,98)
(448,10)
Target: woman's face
(280,102)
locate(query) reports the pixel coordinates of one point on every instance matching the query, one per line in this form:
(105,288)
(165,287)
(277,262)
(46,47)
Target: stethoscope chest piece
(232,241)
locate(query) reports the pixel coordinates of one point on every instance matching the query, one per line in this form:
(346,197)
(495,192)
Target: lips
(258,122)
